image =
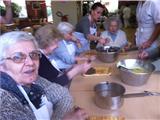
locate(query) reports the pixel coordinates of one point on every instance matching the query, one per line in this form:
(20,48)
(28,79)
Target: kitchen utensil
(111,95)
(135,72)
(107,54)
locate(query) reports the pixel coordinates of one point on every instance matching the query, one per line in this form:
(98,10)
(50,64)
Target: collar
(113,35)
(8,84)
(34,92)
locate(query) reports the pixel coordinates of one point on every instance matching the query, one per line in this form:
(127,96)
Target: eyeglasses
(20,57)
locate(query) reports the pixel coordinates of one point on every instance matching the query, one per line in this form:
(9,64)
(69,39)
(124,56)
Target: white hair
(111,19)
(10,38)
(65,27)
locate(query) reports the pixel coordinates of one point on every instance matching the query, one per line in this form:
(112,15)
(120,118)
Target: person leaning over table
(113,35)
(67,54)
(25,95)
(47,38)
(86,29)
(148,18)
(8,17)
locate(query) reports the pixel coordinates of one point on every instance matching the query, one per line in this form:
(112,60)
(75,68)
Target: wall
(70,8)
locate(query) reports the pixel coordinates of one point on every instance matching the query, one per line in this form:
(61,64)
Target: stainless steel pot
(131,74)
(111,95)
(107,54)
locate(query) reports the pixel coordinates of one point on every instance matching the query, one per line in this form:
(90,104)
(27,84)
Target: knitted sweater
(12,109)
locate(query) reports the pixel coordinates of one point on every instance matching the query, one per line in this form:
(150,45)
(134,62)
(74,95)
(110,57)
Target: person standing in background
(8,17)
(86,29)
(126,15)
(148,18)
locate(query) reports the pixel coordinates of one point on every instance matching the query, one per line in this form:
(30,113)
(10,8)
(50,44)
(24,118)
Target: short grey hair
(10,38)
(111,19)
(65,27)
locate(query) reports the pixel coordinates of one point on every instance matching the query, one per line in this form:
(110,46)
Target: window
(23,12)
(49,10)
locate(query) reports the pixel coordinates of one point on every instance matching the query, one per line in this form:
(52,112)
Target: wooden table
(141,108)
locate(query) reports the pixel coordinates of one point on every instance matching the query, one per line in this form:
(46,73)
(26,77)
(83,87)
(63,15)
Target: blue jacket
(62,57)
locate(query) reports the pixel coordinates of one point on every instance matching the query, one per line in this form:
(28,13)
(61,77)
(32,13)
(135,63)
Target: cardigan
(11,108)
(48,71)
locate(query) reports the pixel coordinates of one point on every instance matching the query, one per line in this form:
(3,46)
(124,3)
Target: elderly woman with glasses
(25,95)
(113,35)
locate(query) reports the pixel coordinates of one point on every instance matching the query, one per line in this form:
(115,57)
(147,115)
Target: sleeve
(124,39)
(62,80)
(62,53)
(156,11)
(153,52)
(84,26)
(60,98)
(12,109)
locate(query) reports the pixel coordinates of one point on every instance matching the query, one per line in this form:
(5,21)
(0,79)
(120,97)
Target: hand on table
(78,69)
(77,114)
(143,54)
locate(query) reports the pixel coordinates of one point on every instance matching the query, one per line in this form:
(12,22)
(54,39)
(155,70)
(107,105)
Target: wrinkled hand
(128,46)
(91,58)
(146,44)
(84,67)
(103,41)
(143,55)
(78,114)
(79,69)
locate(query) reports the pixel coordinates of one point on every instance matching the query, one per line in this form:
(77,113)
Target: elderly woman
(24,94)
(48,43)
(66,55)
(113,35)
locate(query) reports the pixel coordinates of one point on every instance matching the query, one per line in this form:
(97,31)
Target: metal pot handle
(143,94)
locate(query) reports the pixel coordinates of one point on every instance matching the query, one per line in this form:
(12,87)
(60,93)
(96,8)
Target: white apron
(93,31)
(44,112)
(84,42)
(70,48)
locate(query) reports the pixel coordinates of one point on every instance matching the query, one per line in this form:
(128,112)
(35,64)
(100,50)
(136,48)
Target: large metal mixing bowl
(107,54)
(135,72)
